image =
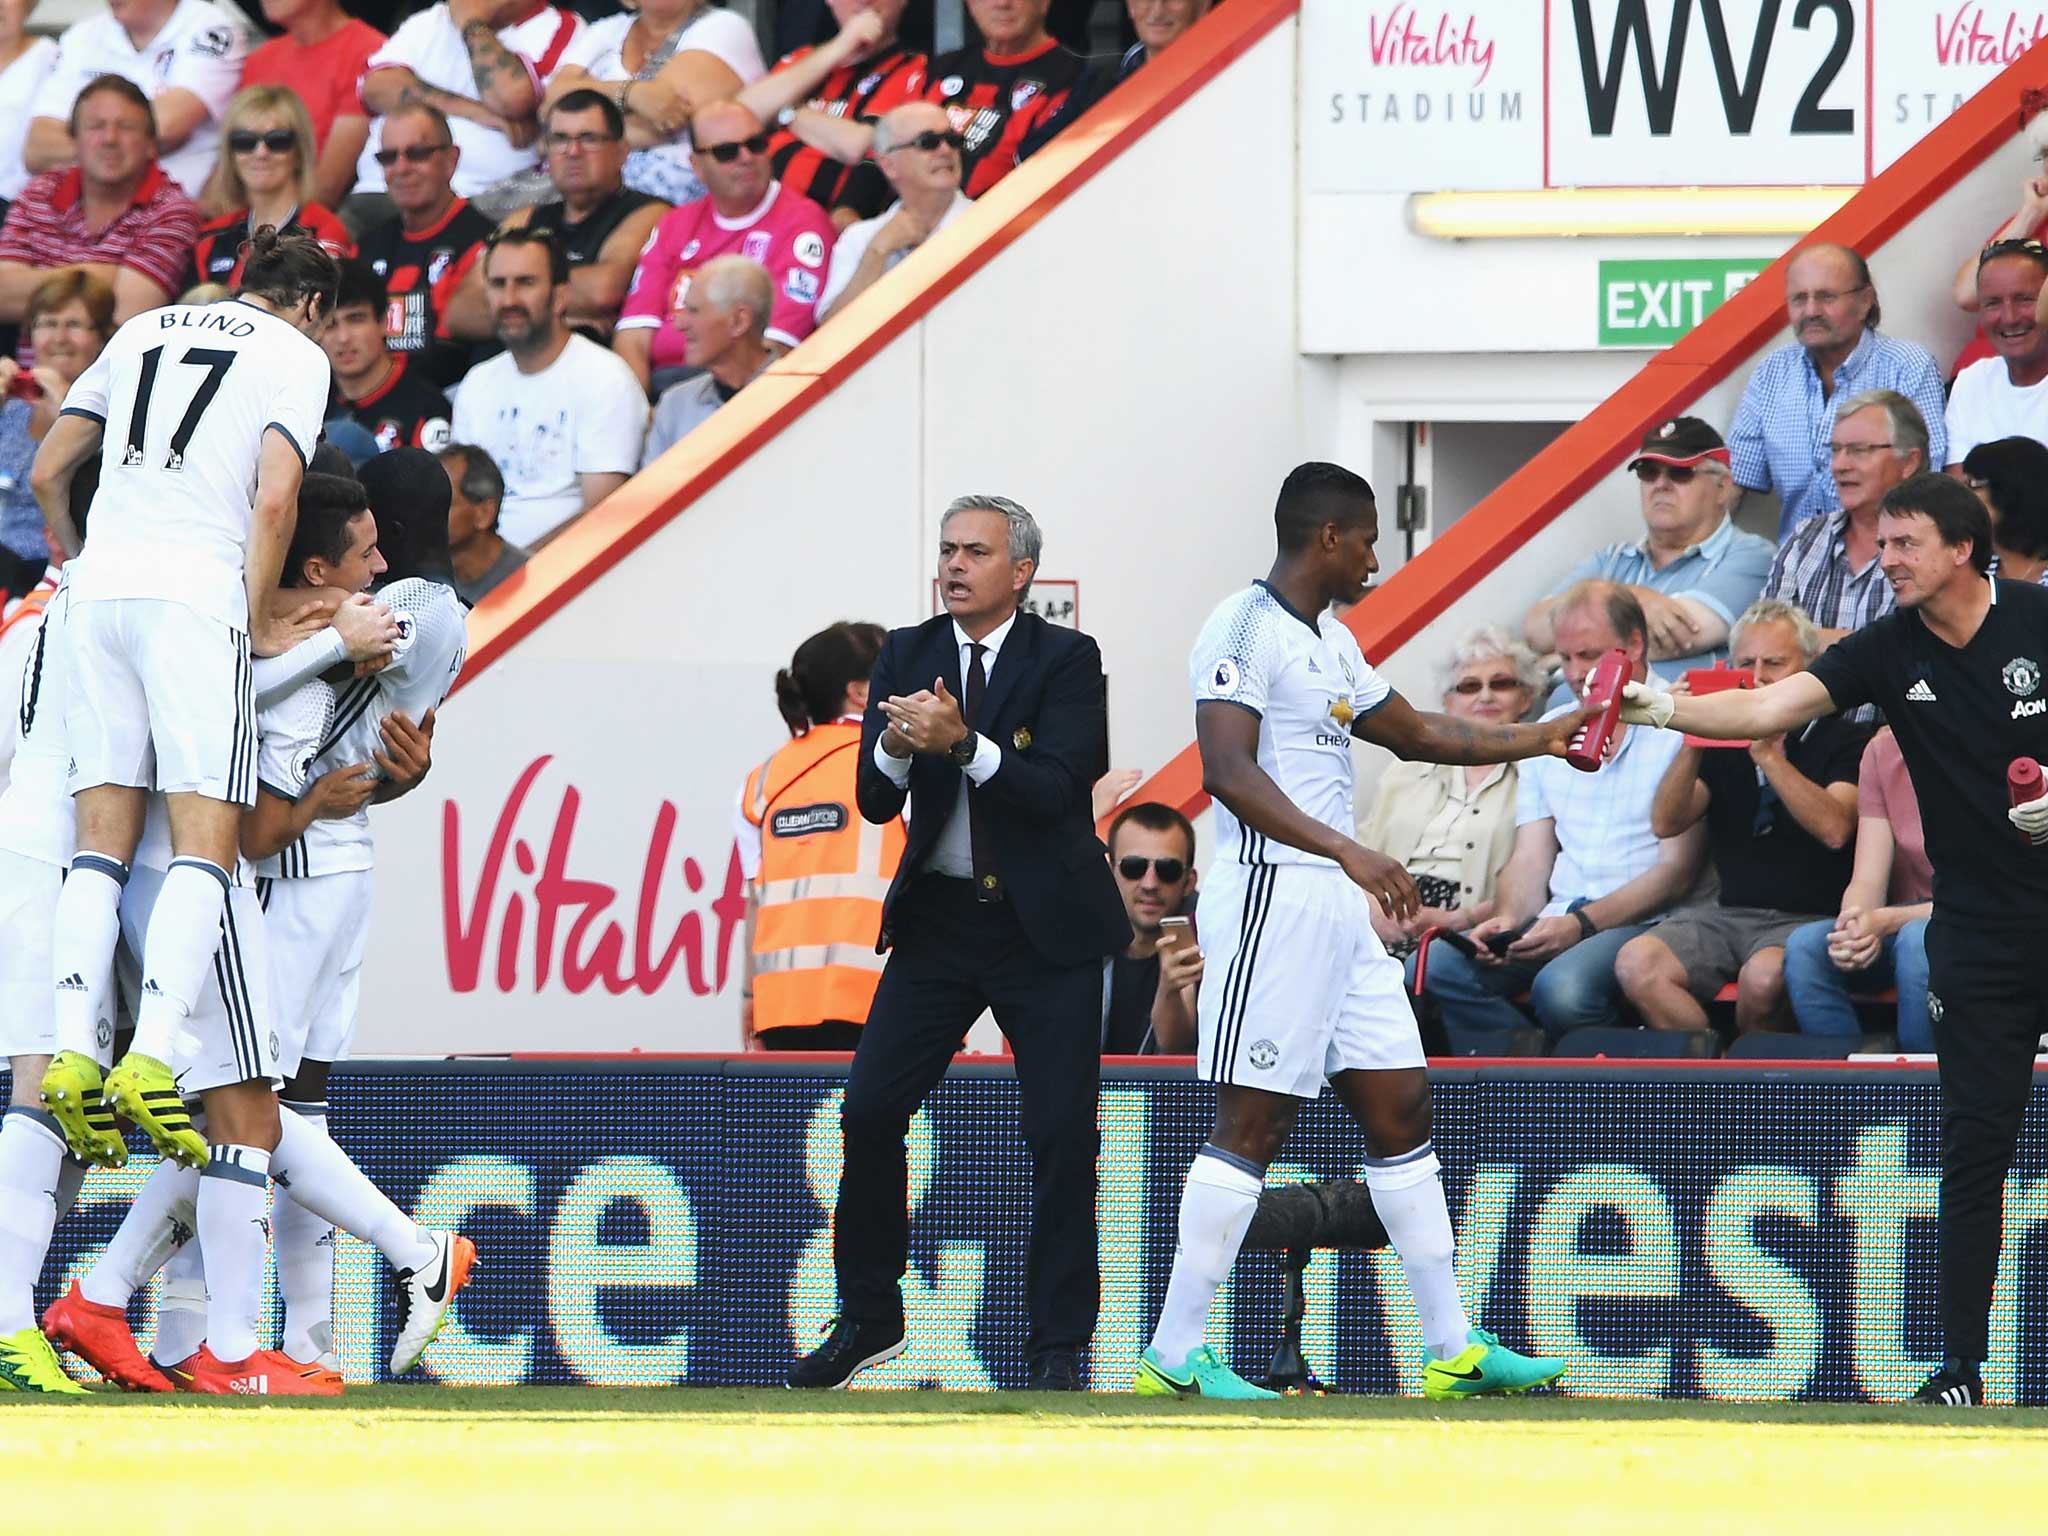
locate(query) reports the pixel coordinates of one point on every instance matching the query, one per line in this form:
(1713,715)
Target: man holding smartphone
(1148,995)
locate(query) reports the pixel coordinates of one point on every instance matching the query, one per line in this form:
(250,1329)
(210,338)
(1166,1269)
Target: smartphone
(1705,680)
(1499,942)
(1175,931)
(1459,942)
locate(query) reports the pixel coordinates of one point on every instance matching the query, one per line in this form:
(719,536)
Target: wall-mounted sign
(1653,303)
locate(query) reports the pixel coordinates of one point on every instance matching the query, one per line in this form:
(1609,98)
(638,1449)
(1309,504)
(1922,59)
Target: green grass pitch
(570,1461)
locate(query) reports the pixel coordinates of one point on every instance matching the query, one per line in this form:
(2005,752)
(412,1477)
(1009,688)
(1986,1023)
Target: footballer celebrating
(1299,989)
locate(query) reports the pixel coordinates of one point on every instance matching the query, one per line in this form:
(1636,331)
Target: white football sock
(1408,1193)
(181,1307)
(31,1157)
(234,1236)
(1216,1207)
(161,1220)
(177,955)
(87,927)
(313,1169)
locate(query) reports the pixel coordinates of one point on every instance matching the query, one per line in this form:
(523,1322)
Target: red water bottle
(1588,746)
(2023,782)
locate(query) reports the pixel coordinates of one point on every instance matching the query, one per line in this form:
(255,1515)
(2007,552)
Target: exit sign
(1653,303)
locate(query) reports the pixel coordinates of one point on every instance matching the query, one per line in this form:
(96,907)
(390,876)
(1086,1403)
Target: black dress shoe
(1057,1370)
(850,1347)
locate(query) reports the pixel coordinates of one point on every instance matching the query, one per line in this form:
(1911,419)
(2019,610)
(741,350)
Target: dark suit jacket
(1045,688)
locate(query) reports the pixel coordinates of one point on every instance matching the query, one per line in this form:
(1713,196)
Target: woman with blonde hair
(265,176)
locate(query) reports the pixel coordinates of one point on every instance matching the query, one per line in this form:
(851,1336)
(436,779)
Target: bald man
(919,152)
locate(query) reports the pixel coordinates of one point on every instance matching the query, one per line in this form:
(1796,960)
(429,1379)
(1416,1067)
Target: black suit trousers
(953,956)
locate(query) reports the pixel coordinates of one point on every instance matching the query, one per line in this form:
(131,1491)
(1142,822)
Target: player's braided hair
(811,690)
(289,268)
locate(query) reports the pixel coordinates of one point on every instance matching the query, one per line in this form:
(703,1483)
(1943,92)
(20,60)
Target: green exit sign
(1653,303)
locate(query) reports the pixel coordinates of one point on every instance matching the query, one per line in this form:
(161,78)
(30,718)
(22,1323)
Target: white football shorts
(231,1036)
(318,925)
(160,697)
(1296,986)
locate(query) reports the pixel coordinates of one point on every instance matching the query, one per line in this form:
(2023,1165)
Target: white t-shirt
(1307,682)
(430,45)
(200,50)
(664,170)
(1984,406)
(583,414)
(20,83)
(36,816)
(854,240)
(186,395)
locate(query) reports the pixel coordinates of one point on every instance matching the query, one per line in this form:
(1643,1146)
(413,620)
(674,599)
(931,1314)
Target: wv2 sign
(1727,92)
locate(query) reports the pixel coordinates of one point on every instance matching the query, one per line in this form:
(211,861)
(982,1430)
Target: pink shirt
(788,234)
(1883,789)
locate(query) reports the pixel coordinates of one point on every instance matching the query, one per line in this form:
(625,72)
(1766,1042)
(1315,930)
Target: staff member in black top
(1960,670)
(993,725)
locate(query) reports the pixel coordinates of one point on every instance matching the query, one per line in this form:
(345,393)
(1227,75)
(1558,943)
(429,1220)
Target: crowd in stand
(524,200)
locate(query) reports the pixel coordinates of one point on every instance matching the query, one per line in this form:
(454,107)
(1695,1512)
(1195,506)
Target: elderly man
(1587,873)
(724,322)
(746,212)
(427,247)
(1829,568)
(185,56)
(1780,436)
(1693,572)
(115,214)
(2005,395)
(600,221)
(479,554)
(559,415)
(1781,823)
(920,154)
(485,64)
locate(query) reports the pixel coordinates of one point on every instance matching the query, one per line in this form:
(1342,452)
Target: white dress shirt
(953,854)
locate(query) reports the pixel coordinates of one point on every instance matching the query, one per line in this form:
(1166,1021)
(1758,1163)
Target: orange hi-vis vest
(32,604)
(824,872)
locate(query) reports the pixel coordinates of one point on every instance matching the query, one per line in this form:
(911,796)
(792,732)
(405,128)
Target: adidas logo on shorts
(72,983)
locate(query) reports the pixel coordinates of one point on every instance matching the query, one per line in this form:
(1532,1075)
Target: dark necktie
(987,887)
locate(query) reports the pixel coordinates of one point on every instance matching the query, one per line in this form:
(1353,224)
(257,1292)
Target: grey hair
(480,480)
(730,281)
(1903,420)
(1491,640)
(1775,610)
(1025,539)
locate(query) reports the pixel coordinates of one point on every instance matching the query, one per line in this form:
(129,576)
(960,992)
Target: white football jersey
(433,642)
(1307,681)
(185,395)
(36,816)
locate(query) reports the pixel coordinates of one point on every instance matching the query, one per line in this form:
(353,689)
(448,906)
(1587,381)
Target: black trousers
(954,956)
(1989,1007)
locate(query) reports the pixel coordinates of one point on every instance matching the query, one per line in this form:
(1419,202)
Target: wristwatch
(961,753)
(1586,925)
(785,117)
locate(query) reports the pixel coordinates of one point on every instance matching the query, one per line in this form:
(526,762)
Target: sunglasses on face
(412,154)
(1677,474)
(279,141)
(726,153)
(1469,685)
(932,138)
(1132,866)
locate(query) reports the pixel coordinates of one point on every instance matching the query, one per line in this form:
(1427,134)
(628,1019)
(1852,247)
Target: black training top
(1961,716)
(1763,856)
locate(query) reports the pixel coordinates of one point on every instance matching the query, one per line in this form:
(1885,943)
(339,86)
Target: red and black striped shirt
(862,91)
(997,101)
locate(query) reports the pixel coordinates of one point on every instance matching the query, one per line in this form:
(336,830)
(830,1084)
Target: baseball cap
(1681,440)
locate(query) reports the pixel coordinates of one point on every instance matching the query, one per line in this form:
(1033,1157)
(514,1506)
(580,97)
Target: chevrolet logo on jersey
(1341,712)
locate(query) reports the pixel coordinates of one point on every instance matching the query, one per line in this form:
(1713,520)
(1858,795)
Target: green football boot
(1486,1365)
(141,1088)
(1203,1375)
(29,1365)
(75,1096)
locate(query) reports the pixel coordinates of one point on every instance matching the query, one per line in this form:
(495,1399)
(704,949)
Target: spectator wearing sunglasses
(322,56)
(1829,567)
(1692,571)
(1452,827)
(919,152)
(746,213)
(2005,395)
(1148,994)
(427,247)
(265,177)
(1779,439)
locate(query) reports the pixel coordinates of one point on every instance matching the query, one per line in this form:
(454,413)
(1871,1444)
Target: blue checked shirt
(1723,573)
(1779,441)
(1602,819)
(1812,570)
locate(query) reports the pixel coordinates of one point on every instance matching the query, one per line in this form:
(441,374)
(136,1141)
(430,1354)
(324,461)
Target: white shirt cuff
(896,768)
(988,757)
